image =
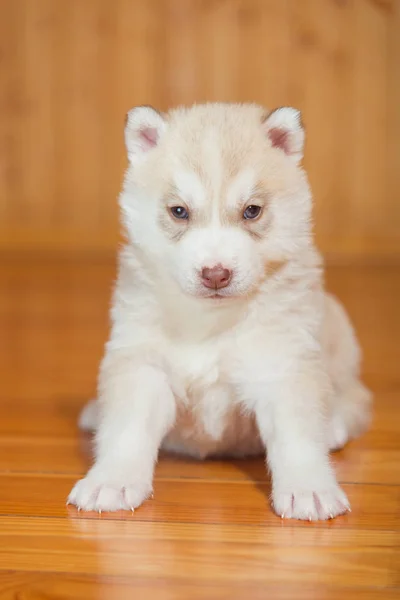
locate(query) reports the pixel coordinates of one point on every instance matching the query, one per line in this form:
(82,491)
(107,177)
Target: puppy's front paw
(105,495)
(310,505)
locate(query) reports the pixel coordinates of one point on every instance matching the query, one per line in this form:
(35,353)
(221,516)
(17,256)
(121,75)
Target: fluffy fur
(269,362)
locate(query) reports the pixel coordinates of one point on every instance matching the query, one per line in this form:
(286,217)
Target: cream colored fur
(271,364)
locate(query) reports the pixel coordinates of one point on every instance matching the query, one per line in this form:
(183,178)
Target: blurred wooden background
(70,69)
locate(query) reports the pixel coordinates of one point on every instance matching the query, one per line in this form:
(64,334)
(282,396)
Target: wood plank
(79,587)
(393,116)
(369,111)
(204,501)
(264,554)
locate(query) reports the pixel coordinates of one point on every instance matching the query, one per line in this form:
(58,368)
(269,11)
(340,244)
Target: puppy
(223,342)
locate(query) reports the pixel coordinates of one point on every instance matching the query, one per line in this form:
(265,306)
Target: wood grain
(203,501)
(209,532)
(70,70)
(86,587)
(209,552)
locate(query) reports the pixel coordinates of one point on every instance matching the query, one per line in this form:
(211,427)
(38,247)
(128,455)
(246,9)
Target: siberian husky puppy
(223,341)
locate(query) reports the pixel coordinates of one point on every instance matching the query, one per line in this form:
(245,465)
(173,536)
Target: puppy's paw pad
(311,505)
(92,495)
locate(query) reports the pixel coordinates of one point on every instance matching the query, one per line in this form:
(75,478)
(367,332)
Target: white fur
(288,120)
(272,364)
(140,121)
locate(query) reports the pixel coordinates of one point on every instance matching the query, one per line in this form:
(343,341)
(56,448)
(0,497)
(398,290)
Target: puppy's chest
(195,368)
(205,399)
(230,364)
(210,419)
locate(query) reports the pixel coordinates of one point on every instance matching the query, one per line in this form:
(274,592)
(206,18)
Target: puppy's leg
(350,414)
(350,411)
(292,425)
(89,417)
(137,409)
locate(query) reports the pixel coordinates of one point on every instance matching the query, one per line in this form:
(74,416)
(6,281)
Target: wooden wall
(70,69)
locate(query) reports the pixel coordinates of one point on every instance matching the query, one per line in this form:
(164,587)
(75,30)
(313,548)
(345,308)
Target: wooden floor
(209,531)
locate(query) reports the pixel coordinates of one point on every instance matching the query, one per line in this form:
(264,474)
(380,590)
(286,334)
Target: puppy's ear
(143,129)
(285,130)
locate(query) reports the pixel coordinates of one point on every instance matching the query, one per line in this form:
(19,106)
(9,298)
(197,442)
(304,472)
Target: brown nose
(216,278)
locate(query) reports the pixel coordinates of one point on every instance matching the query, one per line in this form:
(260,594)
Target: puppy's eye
(179,212)
(252,212)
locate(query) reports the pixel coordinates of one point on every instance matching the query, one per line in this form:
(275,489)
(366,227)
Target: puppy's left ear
(285,130)
(143,128)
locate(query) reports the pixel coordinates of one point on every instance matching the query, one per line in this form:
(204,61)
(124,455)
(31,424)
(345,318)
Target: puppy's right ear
(143,128)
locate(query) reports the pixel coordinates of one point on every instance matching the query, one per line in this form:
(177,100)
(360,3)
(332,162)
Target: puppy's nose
(216,278)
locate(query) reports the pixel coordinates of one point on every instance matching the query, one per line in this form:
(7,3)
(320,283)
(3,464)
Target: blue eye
(252,212)
(179,212)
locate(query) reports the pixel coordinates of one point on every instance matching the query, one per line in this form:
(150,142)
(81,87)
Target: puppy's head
(214,195)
